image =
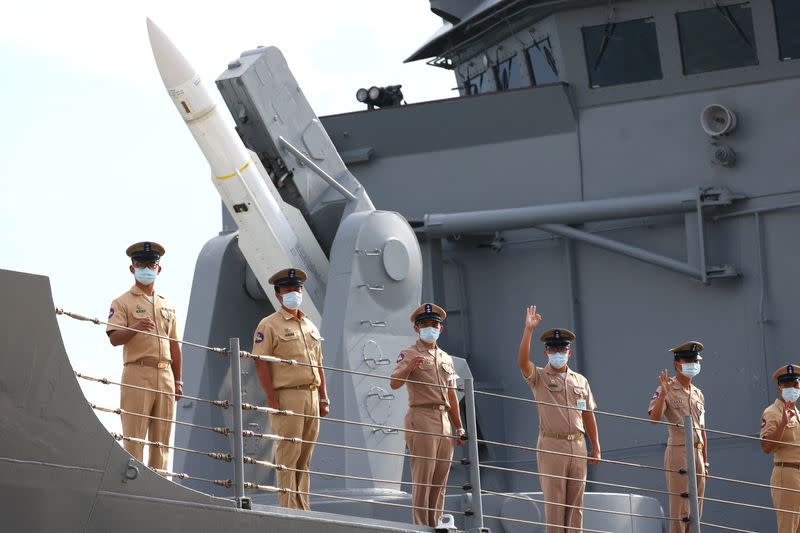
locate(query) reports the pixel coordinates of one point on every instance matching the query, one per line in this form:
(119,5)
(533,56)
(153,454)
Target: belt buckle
(440,407)
(571,437)
(698,445)
(161,365)
(312,387)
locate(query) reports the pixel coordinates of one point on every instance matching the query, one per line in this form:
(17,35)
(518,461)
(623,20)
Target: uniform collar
(422,348)
(553,372)
(677,385)
(138,292)
(288,316)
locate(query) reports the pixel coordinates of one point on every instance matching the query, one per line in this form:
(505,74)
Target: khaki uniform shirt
(679,403)
(563,388)
(437,368)
(283,335)
(769,421)
(133,306)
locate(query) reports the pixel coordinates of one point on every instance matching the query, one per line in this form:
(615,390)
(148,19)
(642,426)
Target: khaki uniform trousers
(562,491)
(428,501)
(787,477)
(295,455)
(675,459)
(151,404)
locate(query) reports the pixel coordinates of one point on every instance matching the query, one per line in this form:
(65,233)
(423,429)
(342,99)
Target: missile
(267,238)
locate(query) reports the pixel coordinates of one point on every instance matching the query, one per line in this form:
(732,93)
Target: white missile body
(267,239)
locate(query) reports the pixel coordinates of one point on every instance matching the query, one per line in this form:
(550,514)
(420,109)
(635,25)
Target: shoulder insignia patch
(259,337)
(763,422)
(656,394)
(400,357)
(110,312)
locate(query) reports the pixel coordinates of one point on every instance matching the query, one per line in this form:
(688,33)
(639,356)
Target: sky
(95,157)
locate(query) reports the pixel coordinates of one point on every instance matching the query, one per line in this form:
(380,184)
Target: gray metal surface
(60,469)
(540,154)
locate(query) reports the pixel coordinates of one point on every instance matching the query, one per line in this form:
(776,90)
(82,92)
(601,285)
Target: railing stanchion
(238,437)
(475,520)
(691,473)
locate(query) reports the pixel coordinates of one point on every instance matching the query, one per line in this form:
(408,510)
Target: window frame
(649,19)
(781,56)
(529,61)
(681,40)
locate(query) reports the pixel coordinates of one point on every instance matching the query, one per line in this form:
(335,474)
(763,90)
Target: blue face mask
(558,360)
(429,335)
(690,370)
(145,276)
(790,394)
(292,300)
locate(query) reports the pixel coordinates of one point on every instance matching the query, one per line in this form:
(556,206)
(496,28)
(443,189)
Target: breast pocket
(167,318)
(579,392)
(316,339)
(449,371)
(290,345)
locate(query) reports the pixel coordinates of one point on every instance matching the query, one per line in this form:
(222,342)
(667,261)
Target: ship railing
(474,515)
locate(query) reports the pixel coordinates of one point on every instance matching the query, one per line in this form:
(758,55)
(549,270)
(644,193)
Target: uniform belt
(310,387)
(434,406)
(789,465)
(151,362)
(561,436)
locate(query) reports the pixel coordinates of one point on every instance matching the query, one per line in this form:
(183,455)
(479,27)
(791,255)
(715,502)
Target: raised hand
(532,318)
(665,381)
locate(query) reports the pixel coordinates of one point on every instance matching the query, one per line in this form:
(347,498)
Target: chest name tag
(581,404)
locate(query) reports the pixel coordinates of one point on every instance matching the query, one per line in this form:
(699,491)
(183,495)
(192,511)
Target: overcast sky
(95,157)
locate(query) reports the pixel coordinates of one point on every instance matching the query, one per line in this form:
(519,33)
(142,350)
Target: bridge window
(622,52)
(717,38)
(543,63)
(482,83)
(509,74)
(787,20)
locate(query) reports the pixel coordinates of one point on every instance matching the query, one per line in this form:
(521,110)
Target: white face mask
(429,334)
(790,394)
(145,275)
(292,300)
(558,360)
(690,370)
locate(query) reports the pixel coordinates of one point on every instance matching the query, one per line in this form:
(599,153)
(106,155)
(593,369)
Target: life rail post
(474,519)
(238,437)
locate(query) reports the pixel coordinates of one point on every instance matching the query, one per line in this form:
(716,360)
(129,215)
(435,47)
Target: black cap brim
(691,355)
(428,316)
(557,344)
(145,256)
(293,282)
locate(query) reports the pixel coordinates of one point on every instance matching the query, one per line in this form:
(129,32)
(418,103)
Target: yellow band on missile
(227,176)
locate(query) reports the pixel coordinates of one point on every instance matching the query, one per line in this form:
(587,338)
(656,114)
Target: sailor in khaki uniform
(560,430)
(288,334)
(780,423)
(675,398)
(430,408)
(150,362)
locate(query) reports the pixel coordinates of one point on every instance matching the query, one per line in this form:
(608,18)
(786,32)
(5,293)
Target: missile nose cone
(174,68)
